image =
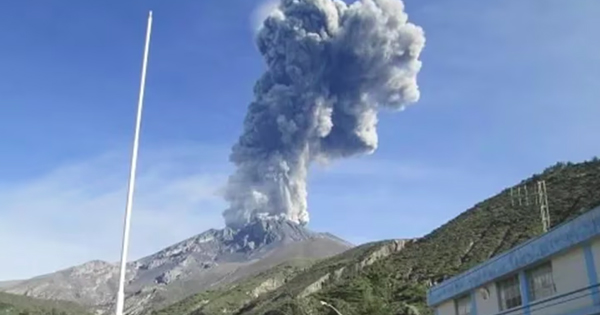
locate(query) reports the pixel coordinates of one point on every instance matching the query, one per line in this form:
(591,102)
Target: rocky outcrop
(382,251)
(267,286)
(315,286)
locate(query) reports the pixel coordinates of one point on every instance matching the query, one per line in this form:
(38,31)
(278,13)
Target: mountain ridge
(209,259)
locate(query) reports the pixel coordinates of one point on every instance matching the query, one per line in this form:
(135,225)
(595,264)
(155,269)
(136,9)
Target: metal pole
(130,188)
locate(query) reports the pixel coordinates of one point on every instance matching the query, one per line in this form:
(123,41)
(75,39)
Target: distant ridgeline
(397,284)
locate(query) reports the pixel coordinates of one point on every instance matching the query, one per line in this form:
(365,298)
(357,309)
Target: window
(541,282)
(463,305)
(509,293)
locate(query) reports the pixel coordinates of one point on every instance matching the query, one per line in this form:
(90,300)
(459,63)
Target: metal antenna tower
(540,195)
(512,197)
(543,202)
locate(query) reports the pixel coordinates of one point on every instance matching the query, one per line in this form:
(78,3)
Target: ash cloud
(263,11)
(330,68)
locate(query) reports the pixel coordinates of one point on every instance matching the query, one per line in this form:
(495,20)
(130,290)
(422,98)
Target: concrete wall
(492,304)
(595,246)
(446,308)
(489,305)
(573,233)
(570,274)
(592,257)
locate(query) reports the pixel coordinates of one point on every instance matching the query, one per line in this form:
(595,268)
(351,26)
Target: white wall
(489,305)
(447,308)
(596,253)
(570,274)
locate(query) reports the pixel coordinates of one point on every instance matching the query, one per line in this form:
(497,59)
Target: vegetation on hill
(397,284)
(230,299)
(11,304)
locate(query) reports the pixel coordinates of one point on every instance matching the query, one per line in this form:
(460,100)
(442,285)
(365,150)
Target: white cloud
(74,213)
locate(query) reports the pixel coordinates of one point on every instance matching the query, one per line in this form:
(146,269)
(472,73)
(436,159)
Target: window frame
(529,276)
(501,286)
(469,304)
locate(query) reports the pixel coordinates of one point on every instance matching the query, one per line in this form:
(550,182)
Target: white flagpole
(130,189)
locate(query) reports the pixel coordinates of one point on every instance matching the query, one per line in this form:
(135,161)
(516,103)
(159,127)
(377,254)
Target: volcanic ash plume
(330,68)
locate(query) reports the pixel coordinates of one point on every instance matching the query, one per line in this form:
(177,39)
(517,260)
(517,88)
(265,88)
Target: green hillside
(11,304)
(397,284)
(230,299)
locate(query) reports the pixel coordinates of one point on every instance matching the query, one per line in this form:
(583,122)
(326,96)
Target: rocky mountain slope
(233,298)
(11,304)
(397,284)
(205,261)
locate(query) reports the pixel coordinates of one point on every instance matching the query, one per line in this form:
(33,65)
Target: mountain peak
(262,232)
(227,244)
(212,258)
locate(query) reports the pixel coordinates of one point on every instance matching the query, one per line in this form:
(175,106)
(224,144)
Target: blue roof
(556,240)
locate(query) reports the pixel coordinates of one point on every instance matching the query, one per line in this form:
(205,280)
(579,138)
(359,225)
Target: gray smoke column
(330,68)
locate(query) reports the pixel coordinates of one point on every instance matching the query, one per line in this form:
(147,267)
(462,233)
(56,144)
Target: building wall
(489,305)
(593,259)
(570,274)
(568,235)
(446,308)
(595,248)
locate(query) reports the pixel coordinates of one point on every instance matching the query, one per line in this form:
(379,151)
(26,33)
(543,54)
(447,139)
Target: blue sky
(507,89)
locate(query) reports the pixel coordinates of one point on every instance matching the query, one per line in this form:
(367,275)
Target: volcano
(205,261)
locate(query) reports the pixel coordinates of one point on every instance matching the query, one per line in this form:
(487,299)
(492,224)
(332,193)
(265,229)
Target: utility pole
(130,189)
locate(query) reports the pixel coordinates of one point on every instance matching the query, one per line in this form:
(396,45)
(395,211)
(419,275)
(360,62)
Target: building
(553,274)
